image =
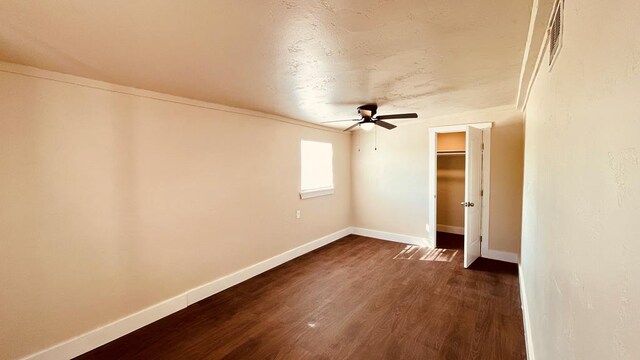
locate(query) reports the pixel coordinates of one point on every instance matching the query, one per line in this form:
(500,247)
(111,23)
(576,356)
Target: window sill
(307,194)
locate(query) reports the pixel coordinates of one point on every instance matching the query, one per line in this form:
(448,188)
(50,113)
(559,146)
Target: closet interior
(450,185)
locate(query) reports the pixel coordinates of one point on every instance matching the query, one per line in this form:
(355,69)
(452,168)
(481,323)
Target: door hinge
(480,238)
(481,192)
(482,146)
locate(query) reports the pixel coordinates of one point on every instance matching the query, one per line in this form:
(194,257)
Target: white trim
(432,198)
(307,194)
(460,127)
(486,193)
(538,61)
(486,178)
(206,290)
(102,335)
(400,238)
(420,241)
(499,255)
(451,229)
(29,71)
(536,69)
(527,50)
(528,338)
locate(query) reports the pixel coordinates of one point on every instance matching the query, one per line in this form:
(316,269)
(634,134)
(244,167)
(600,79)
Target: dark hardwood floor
(357,298)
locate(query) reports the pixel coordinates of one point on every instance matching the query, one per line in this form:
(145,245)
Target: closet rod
(450,153)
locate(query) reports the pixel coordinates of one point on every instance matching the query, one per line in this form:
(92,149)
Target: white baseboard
(382,235)
(451,229)
(486,253)
(500,255)
(415,240)
(102,335)
(525,317)
(228,281)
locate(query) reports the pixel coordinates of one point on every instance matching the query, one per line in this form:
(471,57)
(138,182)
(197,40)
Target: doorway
(459,179)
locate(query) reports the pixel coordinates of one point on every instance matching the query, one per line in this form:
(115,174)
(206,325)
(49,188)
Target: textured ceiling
(309,60)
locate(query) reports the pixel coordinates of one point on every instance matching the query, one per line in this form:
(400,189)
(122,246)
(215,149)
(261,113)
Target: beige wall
(451,141)
(580,238)
(450,189)
(110,203)
(390,184)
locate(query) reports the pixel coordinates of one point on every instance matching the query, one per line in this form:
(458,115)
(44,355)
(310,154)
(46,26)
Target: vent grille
(555,32)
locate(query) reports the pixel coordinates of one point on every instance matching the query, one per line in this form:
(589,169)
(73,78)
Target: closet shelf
(451,152)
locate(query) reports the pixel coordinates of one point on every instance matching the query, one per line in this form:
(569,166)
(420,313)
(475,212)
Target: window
(316,178)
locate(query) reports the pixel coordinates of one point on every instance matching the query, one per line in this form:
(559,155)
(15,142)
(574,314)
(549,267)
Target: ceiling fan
(368,119)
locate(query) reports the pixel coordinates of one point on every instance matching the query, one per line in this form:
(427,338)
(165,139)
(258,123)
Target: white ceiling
(309,60)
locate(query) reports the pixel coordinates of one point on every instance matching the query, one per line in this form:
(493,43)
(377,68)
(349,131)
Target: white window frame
(324,191)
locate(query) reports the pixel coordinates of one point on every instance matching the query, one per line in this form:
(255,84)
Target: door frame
(432,226)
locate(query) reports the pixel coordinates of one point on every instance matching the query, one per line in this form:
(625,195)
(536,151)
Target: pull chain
(376,137)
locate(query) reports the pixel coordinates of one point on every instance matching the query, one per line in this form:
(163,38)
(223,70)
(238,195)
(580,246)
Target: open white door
(472,196)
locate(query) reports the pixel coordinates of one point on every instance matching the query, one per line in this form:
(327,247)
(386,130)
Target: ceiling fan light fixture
(367,126)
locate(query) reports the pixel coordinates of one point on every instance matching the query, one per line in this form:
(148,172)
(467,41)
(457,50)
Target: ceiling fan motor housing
(368,110)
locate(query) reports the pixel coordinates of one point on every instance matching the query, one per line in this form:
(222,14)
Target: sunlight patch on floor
(414,252)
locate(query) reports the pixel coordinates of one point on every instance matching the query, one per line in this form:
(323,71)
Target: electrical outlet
(297,214)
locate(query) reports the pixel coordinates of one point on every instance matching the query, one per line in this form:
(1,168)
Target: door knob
(467,204)
(471,204)
(463,203)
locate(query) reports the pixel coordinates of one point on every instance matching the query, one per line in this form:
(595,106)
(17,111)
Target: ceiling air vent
(555,32)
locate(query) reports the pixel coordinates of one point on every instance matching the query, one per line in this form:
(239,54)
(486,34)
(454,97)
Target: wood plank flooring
(357,298)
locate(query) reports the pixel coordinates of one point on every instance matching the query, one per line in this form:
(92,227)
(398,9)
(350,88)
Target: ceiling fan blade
(326,122)
(351,127)
(385,124)
(398,116)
